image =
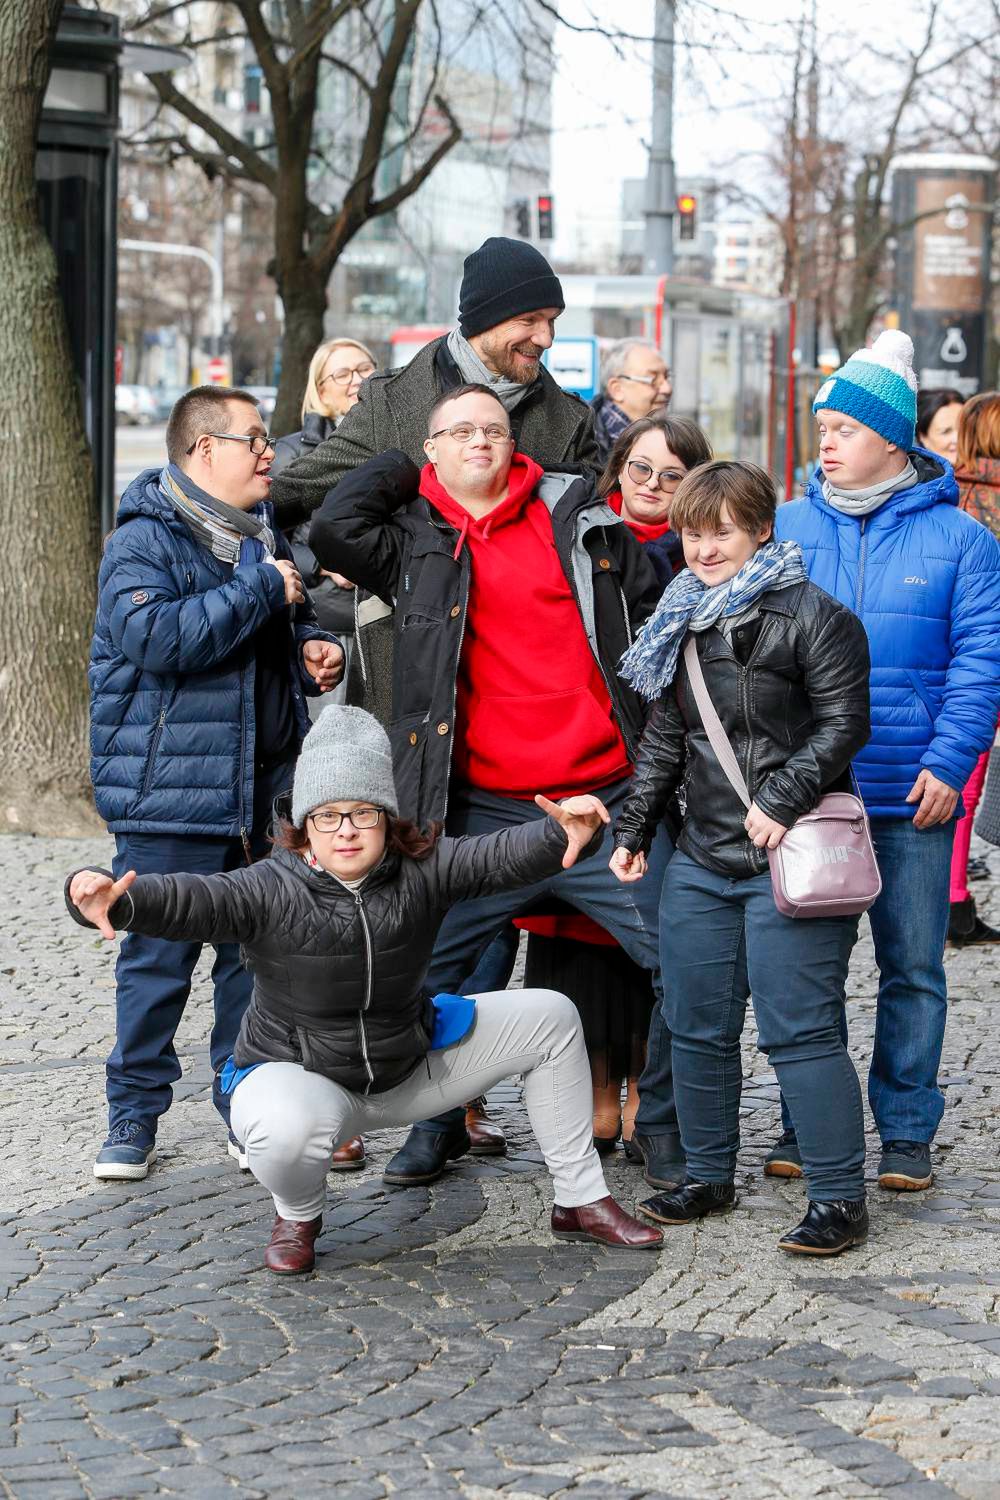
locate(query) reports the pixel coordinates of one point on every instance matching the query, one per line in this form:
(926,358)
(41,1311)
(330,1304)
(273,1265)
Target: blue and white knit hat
(878,388)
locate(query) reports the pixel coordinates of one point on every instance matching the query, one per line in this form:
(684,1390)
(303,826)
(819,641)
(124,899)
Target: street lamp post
(195,252)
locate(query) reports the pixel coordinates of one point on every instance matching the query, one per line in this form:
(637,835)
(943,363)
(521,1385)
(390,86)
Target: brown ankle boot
(485,1137)
(349,1156)
(606,1222)
(290,1251)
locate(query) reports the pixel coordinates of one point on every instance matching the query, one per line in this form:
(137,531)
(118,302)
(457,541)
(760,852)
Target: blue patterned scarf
(233,536)
(650,664)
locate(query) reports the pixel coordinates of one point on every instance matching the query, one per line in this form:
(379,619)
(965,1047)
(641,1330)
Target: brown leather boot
(290,1251)
(485,1137)
(349,1156)
(606,1222)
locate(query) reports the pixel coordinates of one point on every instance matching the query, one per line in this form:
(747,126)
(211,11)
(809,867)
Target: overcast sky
(602,102)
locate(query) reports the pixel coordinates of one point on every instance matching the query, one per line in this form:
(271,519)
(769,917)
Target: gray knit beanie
(346,757)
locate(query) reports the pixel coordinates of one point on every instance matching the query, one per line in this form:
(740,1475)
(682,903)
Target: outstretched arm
(504,861)
(227,908)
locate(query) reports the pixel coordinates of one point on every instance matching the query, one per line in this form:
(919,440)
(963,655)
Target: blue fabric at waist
(453,1020)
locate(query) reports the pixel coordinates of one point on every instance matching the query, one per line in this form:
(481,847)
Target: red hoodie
(533,713)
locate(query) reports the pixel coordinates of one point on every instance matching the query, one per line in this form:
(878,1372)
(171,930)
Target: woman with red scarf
(570,952)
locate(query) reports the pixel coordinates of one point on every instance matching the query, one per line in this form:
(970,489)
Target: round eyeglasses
(464,432)
(345,376)
(360,817)
(642,473)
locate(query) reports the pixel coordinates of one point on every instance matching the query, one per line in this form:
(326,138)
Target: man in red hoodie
(515,592)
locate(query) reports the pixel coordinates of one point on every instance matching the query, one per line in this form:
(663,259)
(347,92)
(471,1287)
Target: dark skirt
(613,995)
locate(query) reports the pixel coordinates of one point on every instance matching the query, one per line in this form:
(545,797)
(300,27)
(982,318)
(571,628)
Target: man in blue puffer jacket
(880,530)
(203,645)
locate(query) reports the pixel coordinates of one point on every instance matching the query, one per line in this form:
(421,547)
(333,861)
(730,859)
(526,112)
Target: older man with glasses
(516,590)
(635,382)
(203,647)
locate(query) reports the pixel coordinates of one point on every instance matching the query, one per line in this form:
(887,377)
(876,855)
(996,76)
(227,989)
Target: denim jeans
(909,924)
(154,975)
(629,912)
(728,941)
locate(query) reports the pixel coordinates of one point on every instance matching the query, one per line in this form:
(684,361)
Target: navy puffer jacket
(172,673)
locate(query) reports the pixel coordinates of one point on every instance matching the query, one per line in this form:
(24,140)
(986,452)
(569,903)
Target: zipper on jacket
(369,984)
(157,732)
(862,557)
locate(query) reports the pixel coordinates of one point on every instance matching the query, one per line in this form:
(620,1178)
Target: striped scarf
(220,527)
(650,664)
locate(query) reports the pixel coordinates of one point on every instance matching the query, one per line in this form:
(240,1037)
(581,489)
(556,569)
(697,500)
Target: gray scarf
(861,503)
(218,526)
(474,372)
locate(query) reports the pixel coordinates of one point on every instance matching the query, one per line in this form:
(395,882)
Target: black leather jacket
(339,973)
(792,693)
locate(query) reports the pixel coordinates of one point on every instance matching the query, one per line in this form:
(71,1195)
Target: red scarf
(642,530)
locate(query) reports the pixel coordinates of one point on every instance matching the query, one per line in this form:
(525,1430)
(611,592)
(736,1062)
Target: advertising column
(941,203)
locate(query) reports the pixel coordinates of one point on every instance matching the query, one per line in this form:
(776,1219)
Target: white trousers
(289,1120)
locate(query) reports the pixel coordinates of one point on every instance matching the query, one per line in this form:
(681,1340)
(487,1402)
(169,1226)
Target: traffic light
(522,218)
(687,207)
(545,217)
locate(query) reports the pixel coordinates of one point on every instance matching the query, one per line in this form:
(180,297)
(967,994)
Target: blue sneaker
(127,1154)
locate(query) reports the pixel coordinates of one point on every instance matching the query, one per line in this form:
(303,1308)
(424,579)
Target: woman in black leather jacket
(337,928)
(787,668)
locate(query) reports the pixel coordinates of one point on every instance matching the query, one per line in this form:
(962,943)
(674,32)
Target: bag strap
(717,737)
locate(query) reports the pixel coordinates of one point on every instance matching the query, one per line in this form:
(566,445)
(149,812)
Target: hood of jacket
(935,485)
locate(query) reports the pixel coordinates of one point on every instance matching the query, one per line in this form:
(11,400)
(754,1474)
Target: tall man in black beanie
(509,301)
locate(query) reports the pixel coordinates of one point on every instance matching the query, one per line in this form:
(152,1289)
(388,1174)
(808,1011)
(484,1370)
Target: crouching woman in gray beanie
(340,1035)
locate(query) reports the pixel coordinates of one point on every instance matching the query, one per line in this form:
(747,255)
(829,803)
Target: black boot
(660,1156)
(424,1154)
(689,1201)
(966,927)
(828,1228)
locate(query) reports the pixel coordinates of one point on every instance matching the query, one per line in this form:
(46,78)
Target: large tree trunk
(50,534)
(303,295)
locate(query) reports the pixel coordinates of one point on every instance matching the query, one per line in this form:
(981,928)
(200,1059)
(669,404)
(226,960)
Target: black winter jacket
(551,425)
(792,694)
(339,974)
(375,528)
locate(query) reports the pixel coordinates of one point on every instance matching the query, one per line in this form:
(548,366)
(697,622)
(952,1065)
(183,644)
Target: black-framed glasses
(345,376)
(464,432)
(641,473)
(647,379)
(259,442)
(361,817)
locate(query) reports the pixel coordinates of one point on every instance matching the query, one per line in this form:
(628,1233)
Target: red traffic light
(686,203)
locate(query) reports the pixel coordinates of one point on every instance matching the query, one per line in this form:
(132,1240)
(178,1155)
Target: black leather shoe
(660,1156)
(828,1228)
(424,1155)
(689,1201)
(966,927)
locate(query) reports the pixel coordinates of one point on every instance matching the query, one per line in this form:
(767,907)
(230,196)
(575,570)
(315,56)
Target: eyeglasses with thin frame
(360,817)
(344,377)
(464,432)
(641,473)
(647,379)
(259,442)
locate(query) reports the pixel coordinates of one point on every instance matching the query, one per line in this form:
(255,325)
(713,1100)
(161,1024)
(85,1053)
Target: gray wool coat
(550,425)
(987,823)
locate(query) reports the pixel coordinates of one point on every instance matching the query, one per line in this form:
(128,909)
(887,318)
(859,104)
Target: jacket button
(413,739)
(605,564)
(456,610)
(442,728)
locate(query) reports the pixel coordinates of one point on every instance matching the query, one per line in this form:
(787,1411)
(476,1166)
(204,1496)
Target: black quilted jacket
(339,974)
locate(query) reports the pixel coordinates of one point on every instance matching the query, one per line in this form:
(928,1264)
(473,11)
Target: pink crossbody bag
(825,865)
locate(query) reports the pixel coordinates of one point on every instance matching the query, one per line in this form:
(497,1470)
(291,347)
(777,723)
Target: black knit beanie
(503,279)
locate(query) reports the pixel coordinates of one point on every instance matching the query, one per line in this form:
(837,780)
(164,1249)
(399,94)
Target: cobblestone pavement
(447,1345)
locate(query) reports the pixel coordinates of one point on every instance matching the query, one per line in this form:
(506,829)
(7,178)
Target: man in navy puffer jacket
(204,644)
(880,530)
